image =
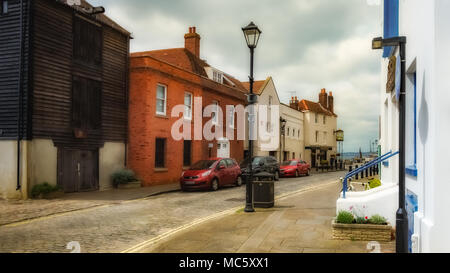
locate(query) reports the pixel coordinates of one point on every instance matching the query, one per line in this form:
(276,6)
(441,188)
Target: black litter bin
(264,190)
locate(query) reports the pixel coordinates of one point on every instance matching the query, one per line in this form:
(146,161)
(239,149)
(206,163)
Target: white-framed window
(217,76)
(317,136)
(161,99)
(215,112)
(324,119)
(232,111)
(324,137)
(316,117)
(188,105)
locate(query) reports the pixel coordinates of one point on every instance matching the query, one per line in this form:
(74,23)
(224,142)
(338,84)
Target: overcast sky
(306,45)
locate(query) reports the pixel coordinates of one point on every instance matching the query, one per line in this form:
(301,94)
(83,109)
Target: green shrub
(374,183)
(44,188)
(344,217)
(124,176)
(378,220)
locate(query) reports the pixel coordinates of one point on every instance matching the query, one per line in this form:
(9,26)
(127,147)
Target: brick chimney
(323,98)
(331,102)
(192,41)
(293,103)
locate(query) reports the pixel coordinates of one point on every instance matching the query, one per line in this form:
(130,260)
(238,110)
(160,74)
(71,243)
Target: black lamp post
(251,33)
(401,216)
(283,134)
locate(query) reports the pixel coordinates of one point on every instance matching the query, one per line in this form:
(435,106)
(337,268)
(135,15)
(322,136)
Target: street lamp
(282,133)
(401,215)
(251,33)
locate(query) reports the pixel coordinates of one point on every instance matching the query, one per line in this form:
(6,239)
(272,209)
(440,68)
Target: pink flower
(366,217)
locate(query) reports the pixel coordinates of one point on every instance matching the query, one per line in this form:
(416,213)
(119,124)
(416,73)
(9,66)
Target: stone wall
(362,232)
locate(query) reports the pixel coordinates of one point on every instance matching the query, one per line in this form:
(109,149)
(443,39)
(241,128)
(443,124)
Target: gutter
(19,116)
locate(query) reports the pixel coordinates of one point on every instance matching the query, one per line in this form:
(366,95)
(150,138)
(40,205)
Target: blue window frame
(411,169)
(391,24)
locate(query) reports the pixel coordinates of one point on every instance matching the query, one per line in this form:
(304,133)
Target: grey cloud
(306,45)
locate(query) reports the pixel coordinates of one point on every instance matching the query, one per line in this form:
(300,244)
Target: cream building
(292,144)
(273,142)
(320,125)
(268,143)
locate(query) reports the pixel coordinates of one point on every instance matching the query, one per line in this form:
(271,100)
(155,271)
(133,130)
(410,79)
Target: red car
(211,174)
(294,168)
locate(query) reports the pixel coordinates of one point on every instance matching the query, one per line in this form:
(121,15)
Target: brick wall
(145,126)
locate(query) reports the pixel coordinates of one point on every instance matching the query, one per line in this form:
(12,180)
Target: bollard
(371,171)
(357,175)
(367,172)
(362,174)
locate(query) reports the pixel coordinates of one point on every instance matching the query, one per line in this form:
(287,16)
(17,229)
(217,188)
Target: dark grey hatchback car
(262,164)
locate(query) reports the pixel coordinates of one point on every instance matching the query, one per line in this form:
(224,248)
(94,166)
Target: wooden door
(78,170)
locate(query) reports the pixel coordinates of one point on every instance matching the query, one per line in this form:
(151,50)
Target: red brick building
(160,80)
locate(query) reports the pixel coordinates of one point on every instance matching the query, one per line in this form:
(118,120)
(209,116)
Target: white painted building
(293,141)
(320,126)
(268,142)
(426,26)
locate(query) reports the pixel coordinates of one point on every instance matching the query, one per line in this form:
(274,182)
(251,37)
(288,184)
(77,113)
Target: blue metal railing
(374,162)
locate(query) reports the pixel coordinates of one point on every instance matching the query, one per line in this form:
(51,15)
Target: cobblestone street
(122,225)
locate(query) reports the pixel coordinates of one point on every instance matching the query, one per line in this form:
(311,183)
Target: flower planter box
(361,232)
(131,185)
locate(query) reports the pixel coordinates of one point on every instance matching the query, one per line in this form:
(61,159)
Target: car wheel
(238,181)
(215,184)
(277,176)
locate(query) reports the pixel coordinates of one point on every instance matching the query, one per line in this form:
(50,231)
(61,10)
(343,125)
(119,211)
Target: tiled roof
(184,59)
(306,105)
(99,17)
(257,86)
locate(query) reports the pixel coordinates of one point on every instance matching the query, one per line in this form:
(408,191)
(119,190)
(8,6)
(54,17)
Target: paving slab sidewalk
(298,224)
(15,211)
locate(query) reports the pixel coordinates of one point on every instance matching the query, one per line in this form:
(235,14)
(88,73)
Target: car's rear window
(289,163)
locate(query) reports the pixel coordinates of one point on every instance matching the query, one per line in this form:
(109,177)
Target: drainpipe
(19,116)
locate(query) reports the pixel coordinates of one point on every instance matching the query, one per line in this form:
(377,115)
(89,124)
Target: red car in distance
(294,168)
(211,174)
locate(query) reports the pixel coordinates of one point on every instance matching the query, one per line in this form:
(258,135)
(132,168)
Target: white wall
(111,159)
(426,25)
(39,165)
(295,144)
(8,170)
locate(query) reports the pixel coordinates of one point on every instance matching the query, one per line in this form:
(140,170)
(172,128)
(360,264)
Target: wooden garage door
(78,170)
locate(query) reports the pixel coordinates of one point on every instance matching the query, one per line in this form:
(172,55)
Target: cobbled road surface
(117,227)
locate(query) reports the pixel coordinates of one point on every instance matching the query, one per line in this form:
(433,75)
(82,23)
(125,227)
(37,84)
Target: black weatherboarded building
(63,96)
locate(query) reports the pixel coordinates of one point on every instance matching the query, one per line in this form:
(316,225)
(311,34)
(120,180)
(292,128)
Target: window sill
(161,170)
(411,171)
(162,116)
